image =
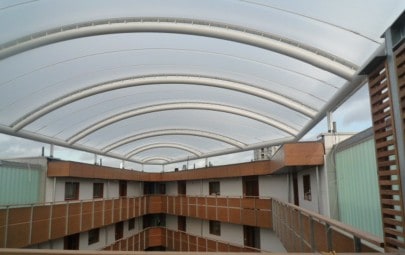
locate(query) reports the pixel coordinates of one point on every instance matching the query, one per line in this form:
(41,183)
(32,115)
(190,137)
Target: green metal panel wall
(20,184)
(358,194)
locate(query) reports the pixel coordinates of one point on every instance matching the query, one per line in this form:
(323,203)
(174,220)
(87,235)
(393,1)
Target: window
(71,242)
(119,230)
(98,190)
(181,223)
(307,187)
(131,224)
(214,188)
(181,187)
(94,236)
(251,186)
(71,191)
(123,188)
(215,227)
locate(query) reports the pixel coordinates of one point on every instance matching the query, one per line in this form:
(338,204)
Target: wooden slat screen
(387,152)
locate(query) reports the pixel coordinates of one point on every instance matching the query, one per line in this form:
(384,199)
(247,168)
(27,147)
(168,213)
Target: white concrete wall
(270,242)
(194,188)
(137,228)
(232,187)
(313,204)
(112,189)
(134,189)
(85,188)
(228,187)
(84,240)
(171,222)
(275,186)
(171,188)
(230,233)
(194,226)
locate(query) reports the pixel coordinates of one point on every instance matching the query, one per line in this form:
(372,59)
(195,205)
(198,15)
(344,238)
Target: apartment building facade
(223,208)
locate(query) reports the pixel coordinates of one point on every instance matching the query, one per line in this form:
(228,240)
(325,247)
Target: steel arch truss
(162,79)
(182,106)
(288,47)
(163,132)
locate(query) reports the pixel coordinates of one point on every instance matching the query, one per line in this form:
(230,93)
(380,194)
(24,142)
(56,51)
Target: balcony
(298,229)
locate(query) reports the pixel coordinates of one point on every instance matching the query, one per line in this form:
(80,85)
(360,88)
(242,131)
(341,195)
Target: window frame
(214,188)
(215,227)
(306,184)
(131,224)
(102,189)
(181,223)
(93,234)
(75,189)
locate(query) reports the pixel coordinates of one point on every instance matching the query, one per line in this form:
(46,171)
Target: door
(71,242)
(251,236)
(250,186)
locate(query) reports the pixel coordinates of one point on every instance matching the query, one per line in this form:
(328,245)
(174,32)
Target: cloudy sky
(353,116)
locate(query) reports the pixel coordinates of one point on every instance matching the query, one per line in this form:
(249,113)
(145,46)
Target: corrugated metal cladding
(358,195)
(20,183)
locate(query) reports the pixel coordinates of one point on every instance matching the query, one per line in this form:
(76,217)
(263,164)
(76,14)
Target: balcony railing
(298,229)
(301,230)
(175,241)
(27,225)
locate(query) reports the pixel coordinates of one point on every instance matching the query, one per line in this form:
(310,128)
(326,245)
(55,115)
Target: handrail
(145,230)
(336,224)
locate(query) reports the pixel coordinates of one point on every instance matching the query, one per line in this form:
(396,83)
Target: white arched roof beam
(306,53)
(163,132)
(182,106)
(163,145)
(150,159)
(159,79)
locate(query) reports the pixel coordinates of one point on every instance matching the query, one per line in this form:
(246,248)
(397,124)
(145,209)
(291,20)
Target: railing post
(329,237)
(240,208)
(311,223)
(81,215)
(103,211)
(92,214)
(50,221)
(216,207)
(227,207)
(357,243)
(6,228)
(120,208)
(67,218)
(31,219)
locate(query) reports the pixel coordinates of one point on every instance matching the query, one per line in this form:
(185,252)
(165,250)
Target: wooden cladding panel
(116,210)
(98,214)
(17,235)
(108,212)
(309,153)
(74,218)
(19,215)
(2,236)
(82,216)
(40,231)
(321,242)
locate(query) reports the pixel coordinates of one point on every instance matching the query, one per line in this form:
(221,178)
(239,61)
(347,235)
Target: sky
(352,116)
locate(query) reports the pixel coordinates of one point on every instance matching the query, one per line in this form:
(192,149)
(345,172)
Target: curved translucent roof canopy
(157,82)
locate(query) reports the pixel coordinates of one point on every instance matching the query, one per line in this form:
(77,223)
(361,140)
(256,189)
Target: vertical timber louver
(388,164)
